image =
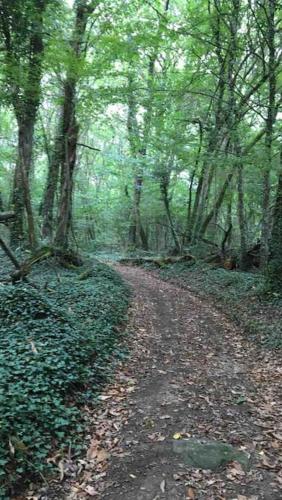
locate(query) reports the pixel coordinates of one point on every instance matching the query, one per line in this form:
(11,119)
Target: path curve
(195,376)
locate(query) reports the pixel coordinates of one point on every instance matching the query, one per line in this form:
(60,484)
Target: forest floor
(191,375)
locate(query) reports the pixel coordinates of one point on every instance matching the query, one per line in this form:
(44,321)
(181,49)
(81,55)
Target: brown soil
(190,374)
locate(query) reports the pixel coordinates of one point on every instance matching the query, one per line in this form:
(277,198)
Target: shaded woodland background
(148,126)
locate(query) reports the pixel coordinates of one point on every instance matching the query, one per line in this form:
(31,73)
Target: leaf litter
(196,376)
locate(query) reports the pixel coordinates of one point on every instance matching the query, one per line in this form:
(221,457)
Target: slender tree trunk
(189,219)
(275,263)
(217,204)
(55,160)
(241,219)
(138,140)
(137,235)
(271,114)
(229,221)
(187,235)
(138,149)
(210,162)
(1,203)
(201,200)
(164,191)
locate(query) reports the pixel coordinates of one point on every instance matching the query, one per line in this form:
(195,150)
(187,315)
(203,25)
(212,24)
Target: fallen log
(7,216)
(25,267)
(9,253)
(67,259)
(19,274)
(157,261)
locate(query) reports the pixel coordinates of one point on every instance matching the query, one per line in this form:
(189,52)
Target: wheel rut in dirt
(196,377)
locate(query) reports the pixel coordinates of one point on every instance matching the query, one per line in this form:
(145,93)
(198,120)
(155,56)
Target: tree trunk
(55,160)
(137,235)
(189,219)
(217,204)
(138,139)
(21,198)
(70,138)
(25,97)
(70,129)
(241,219)
(164,191)
(1,203)
(275,263)
(271,114)
(229,221)
(138,149)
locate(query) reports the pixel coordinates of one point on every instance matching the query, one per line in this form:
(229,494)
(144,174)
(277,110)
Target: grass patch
(56,349)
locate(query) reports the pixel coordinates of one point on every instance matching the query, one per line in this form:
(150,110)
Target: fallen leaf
(93,450)
(276,445)
(102,455)
(12,448)
(96,453)
(156,436)
(190,493)
(268,464)
(33,348)
(243,497)
(277,435)
(162,486)
(177,435)
(236,469)
(91,491)
(61,469)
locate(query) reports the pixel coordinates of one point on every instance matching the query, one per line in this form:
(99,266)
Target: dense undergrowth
(56,349)
(241,295)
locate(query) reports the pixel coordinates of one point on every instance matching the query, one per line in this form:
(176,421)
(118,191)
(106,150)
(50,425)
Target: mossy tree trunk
(51,186)
(21,27)
(275,264)
(270,10)
(70,127)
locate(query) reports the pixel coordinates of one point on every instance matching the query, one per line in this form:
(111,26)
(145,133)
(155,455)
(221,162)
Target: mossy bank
(58,346)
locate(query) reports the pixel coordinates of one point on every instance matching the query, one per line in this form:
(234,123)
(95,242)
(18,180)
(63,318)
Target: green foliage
(54,353)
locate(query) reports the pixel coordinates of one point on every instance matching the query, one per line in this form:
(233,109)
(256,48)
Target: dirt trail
(196,376)
(190,374)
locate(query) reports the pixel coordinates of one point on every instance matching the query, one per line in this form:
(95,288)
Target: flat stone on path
(208,455)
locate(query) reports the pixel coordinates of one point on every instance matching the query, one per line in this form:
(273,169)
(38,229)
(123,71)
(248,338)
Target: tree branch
(87,146)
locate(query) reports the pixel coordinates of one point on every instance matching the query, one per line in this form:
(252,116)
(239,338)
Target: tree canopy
(142,125)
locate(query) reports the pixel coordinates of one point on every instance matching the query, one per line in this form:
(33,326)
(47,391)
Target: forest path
(192,374)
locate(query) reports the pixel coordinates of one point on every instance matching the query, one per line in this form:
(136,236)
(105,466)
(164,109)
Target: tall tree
(269,32)
(21,25)
(138,134)
(69,129)
(275,264)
